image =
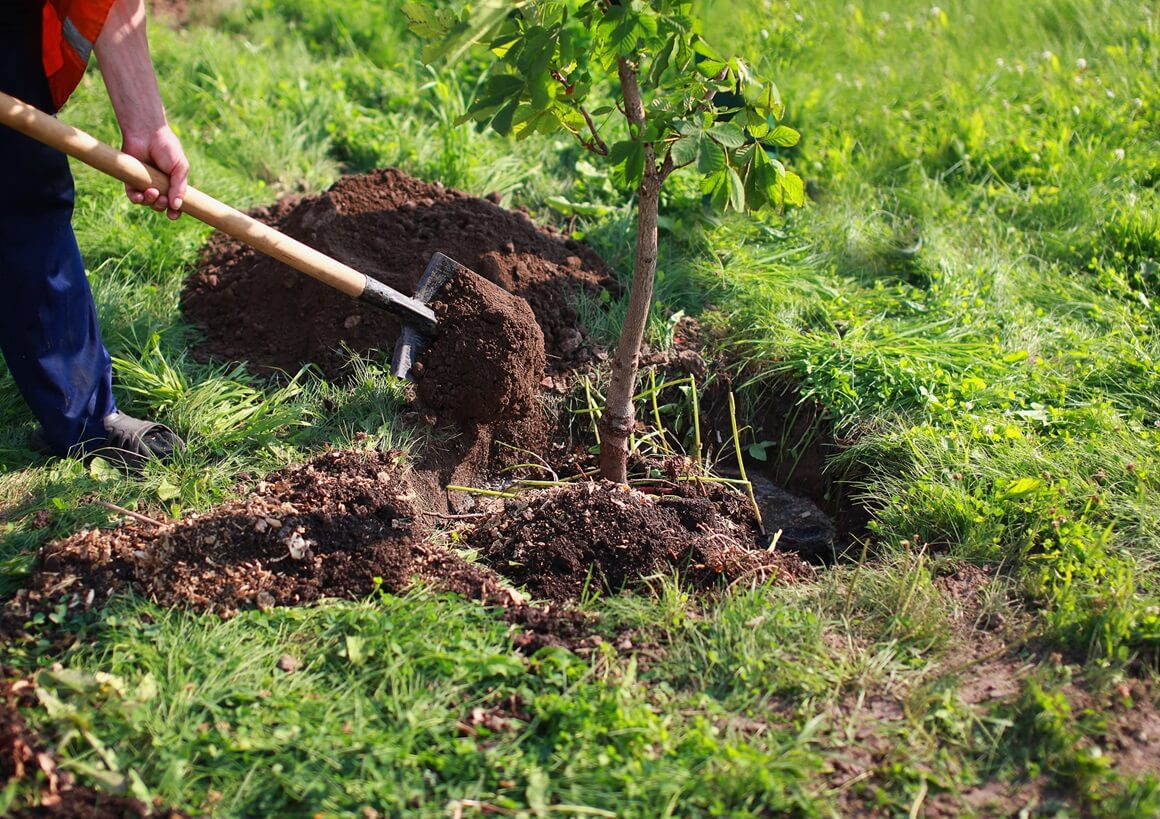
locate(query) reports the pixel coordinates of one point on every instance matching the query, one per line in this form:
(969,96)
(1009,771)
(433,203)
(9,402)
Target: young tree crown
(560,64)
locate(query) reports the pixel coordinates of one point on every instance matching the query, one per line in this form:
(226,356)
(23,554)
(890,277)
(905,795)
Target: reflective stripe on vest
(70,29)
(79,44)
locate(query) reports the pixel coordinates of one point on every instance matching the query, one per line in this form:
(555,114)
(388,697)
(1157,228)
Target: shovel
(419,322)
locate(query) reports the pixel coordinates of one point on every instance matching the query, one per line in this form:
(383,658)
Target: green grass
(996,386)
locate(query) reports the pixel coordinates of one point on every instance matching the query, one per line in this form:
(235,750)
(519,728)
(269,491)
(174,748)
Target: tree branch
(599,146)
(596,144)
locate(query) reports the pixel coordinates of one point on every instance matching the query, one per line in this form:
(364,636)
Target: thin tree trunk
(619,417)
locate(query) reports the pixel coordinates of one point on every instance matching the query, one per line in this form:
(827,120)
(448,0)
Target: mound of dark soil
(387,225)
(339,526)
(326,528)
(559,540)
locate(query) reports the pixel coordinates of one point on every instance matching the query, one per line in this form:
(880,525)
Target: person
(49,334)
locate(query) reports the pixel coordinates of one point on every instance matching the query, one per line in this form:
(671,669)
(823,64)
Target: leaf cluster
(560,67)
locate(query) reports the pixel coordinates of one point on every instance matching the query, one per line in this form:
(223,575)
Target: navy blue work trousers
(49,334)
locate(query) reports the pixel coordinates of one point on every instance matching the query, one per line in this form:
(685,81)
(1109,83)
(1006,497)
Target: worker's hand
(161,149)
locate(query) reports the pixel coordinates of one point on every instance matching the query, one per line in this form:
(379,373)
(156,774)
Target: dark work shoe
(130,441)
(38,443)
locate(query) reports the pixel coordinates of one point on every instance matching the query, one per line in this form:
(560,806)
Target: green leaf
(502,122)
(425,21)
(167,491)
(727,134)
(356,649)
(634,165)
(541,86)
(711,158)
(760,183)
(569,208)
(784,136)
(109,780)
(710,64)
(503,86)
(736,191)
(717,187)
(502,44)
(756,124)
(139,789)
(537,791)
(685,150)
(539,122)
(765,98)
(620,151)
(1019,487)
(103,471)
(795,192)
(619,30)
(75,680)
(663,59)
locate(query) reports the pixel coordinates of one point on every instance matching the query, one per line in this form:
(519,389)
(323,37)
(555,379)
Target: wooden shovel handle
(50,131)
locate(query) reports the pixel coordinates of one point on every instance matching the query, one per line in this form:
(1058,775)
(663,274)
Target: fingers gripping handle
(50,131)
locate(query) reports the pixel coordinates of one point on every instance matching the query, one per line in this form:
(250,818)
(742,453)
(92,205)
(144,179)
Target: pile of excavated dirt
(386,224)
(609,537)
(326,528)
(338,526)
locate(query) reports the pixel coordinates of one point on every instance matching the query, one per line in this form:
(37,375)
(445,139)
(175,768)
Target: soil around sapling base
(605,538)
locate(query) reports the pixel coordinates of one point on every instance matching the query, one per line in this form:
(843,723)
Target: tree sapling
(572,66)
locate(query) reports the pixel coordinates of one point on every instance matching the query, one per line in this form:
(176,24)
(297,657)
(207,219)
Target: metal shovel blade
(413,341)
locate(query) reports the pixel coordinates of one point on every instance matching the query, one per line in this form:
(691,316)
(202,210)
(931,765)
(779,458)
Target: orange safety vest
(70,29)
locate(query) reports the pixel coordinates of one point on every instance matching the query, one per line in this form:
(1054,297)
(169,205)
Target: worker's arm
(122,51)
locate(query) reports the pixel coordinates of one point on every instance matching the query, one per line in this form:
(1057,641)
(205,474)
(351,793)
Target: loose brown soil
(338,526)
(385,224)
(483,370)
(606,537)
(347,523)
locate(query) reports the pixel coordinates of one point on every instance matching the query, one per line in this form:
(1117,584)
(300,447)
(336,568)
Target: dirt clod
(484,368)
